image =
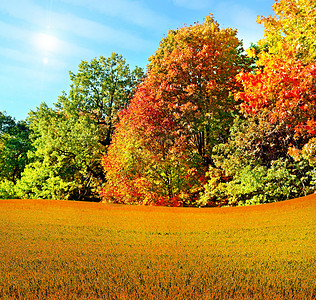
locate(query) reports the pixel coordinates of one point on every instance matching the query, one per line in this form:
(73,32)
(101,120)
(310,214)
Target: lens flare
(46,42)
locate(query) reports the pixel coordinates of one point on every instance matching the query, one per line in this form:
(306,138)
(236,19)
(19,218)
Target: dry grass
(76,250)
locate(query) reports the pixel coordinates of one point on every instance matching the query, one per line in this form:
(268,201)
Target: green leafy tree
(14,145)
(6,123)
(101,88)
(254,167)
(256,184)
(70,138)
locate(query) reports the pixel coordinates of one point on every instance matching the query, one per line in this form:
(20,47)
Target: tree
(70,138)
(284,86)
(102,88)
(6,123)
(162,147)
(292,29)
(67,150)
(253,166)
(278,104)
(14,145)
(284,90)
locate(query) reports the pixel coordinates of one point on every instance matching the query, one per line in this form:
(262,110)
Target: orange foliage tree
(162,146)
(283,88)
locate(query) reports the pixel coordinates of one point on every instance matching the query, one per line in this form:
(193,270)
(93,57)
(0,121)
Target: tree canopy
(70,138)
(185,105)
(278,101)
(291,29)
(14,145)
(207,125)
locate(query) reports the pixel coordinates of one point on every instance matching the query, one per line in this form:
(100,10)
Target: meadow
(79,250)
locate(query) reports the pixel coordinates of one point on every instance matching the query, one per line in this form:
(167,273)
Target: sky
(42,40)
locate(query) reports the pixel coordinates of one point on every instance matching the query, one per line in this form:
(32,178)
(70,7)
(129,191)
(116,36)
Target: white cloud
(20,56)
(11,32)
(25,10)
(133,12)
(193,4)
(17,56)
(68,23)
(28,41)
(31,76)
(240,15)
(97,32)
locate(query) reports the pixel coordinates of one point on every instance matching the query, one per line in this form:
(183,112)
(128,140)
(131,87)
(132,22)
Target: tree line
(206,125)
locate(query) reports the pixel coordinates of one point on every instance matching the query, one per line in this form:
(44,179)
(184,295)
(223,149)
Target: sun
(46,42)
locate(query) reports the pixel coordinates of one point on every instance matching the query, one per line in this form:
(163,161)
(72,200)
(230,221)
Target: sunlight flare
(46,42)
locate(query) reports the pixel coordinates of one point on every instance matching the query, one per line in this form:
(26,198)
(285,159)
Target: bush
(283,180)
(39,180)
(7,190)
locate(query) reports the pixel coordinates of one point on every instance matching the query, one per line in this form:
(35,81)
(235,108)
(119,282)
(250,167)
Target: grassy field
(75,250)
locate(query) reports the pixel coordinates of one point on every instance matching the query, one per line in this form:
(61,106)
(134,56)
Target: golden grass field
(76,250)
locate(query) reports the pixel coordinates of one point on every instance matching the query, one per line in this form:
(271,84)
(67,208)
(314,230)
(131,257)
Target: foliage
(67,151)
(207,125)
(253,140)
(254,166)
(185,106)
(7,189)
(284,85)
(102,88)
(41,181)
(285,90)
(278,102)
(6,123)
(14,145)
(258,184)
(139,166)
(292,29)
(70,138)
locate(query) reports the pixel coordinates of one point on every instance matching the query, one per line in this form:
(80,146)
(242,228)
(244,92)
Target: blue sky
(42,40)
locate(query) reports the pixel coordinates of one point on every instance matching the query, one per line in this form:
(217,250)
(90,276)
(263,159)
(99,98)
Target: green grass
(75,250)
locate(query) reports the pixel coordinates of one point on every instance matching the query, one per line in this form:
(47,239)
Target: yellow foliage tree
(292,30)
